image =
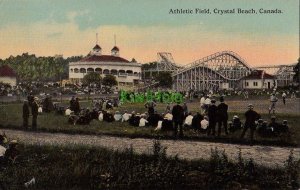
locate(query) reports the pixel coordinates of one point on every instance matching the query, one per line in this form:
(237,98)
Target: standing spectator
(185,110)
(72,103)
(223,116)
(168,108)
(150,106)
(207,103)
(30,99)
(293,95)
(273,101)
(25,114)
(202,104)
(212,116)
(251,117)
(283,97)
(34,112)
(178,117)
(76,106)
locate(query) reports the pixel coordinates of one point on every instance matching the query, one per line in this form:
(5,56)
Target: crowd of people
(211,118)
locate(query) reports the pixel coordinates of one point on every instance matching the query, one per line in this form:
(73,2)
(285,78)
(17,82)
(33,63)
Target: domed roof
(115,48)
(97,47)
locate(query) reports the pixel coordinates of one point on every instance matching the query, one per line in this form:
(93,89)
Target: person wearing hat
(276,128)
(34,112)
(273,101)
(117,116)
(178,117)
(251,117)
(25,114)
(212,117)
(222,116)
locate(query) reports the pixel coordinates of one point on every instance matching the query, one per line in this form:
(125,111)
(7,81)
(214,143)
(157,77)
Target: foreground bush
(91,168)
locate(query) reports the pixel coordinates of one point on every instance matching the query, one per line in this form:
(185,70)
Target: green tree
(164,79)
(109,80)
(92,78)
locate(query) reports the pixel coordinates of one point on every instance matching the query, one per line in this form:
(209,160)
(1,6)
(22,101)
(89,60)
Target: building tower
(115,51)
(97,49)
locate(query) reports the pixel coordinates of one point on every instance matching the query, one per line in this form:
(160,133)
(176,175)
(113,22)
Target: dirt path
(264,155)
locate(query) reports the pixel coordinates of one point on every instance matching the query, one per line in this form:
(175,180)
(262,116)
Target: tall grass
(56,167)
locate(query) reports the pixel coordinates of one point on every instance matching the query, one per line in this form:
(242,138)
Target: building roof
(97,47)
(103,58)
(258,74)
(115,49)
(7,71)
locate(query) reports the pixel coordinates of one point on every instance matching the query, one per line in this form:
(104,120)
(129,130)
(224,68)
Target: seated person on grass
(167,123)
(196,121)
(108,117)
(143,122)
(188,120)
(154,118)
(204,124)
(125,116)
(117,116)
(235,124)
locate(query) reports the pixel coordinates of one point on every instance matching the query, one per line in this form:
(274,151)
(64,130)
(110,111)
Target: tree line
(29,67)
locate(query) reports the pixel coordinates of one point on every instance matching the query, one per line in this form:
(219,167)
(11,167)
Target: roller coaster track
(216,70)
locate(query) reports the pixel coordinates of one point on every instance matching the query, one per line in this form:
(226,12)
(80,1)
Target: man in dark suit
(25,114)
(222,116)
(178,117)
(251,117)
(212,118)
(34,112)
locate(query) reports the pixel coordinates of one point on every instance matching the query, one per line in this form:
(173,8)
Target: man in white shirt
(68,112)
(125,116)
(188,120)
(143,121)
(100,117)
(202,104)
(283,97)
(117,116)
(169,116)
(204,123)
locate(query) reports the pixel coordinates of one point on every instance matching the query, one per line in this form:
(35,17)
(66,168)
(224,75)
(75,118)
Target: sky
(144,28)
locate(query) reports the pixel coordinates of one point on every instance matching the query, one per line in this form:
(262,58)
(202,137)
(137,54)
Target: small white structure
(8,75)
(258,79)
(127,73)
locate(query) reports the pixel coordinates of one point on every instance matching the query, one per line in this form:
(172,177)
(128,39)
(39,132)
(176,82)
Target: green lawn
(11,117)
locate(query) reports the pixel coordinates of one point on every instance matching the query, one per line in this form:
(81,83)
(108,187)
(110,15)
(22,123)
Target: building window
(90,70)
(129,72)
(114,72)
(246,83)
(82,70)
(98,70)
(71,70)
(105,71)
(76,70)
(255,84)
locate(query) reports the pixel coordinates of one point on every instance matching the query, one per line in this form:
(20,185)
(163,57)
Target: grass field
(82,167)
(11,117)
